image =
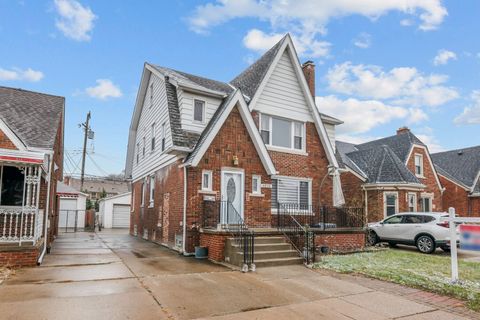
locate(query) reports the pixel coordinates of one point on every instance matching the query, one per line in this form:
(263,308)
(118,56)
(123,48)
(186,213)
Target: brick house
(390,175)
(31,163)
(234,152)
(459,172)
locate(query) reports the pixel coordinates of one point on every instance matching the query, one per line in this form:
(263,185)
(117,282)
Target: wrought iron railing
(18,224)
(222,215)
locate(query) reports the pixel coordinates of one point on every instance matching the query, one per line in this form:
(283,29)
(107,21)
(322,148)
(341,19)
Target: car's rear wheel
(425,244)
(372,238)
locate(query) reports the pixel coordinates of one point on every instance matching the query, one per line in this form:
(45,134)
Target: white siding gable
(185,101)
(158,114)
(331,133)
(282,94)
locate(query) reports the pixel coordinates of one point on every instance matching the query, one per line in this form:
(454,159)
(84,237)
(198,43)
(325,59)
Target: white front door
(232,197)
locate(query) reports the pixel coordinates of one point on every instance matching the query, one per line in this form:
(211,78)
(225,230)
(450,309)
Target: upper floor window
(138,152)
(153,137)
(198,110)
(283,133)
(143,147)
(163,136)
(419,165)
(151,95)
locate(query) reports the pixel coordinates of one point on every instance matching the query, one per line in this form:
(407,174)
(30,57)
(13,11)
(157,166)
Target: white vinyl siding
(186,105)
(283,95)
(157,113)
(330,128)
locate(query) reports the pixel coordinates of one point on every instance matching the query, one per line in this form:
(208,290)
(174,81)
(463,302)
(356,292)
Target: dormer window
(419,165)
(282,133)
(198,110)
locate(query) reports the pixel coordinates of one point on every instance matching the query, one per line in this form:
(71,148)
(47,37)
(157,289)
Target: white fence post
(453,244)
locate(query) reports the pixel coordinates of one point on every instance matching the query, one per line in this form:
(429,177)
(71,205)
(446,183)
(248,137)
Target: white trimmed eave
(246,116)
(475,181)
(458,183)
(303,84)
(399,186)
(12,136)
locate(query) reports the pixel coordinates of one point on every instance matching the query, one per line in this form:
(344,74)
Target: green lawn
(429,272)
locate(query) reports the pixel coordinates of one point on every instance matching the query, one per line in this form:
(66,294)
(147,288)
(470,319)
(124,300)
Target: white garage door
(67,214)
(121,216)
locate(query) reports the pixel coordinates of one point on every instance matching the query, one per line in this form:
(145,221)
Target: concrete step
(278,262)
(263,240)
(267,247)
(277,254)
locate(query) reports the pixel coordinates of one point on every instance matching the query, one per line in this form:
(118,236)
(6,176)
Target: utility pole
(86,127)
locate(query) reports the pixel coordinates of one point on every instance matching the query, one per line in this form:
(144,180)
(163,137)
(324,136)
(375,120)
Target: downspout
(184,210)
(45,226)
(366,205)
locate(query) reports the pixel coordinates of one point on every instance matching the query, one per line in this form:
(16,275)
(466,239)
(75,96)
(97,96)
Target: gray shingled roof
(399,143)
(191,79)
(343,148)
(180,137)
(249,80)
(216,116)
(382,165)
(34,117)
(462,165)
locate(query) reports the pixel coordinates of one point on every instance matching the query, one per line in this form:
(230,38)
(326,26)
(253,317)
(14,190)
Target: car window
(413,219)
(393,220)
(427,219)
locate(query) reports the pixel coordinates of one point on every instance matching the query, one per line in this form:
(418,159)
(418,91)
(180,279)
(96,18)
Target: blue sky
(379,66)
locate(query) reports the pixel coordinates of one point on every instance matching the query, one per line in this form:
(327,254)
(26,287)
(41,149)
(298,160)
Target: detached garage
(115,211)
(71,207)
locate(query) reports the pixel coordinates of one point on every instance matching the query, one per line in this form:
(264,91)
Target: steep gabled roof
(249,80)
(399,143)
(382,165)
(32,116)
(461,165)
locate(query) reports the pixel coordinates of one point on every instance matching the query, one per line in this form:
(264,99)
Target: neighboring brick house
(251,144)
(31,163)
(459,172)
(390,175)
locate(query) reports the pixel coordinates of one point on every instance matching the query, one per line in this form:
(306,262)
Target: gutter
(45,235)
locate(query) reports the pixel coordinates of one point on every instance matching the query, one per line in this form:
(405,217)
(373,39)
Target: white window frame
(430,202)
(297,179)
(388,193)
(415,207)
(151,195)
(151,95)
(418,156)
(258,178)
(209,175)
(292,133)
(144,146)
(142,200)
(138,152)
(203,111)
(152,138)
(163,139)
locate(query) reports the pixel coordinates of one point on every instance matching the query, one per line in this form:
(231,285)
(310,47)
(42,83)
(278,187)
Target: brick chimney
(309,72)
(402,130)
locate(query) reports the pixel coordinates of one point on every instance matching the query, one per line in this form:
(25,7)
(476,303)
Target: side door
(390,228)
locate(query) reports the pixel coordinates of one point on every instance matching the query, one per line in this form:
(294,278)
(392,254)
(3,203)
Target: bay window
(282,133)
(391,203)
(291,191)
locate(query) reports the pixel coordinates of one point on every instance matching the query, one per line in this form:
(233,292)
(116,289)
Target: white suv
(425,230)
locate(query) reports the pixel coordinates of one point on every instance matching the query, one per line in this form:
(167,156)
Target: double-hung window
(142,194)
(152,191)
(412,202)
(426,204)
(207,180)
(256,184)
(143,147)
(419,165)
(153,137)
(138,152)
(282,133)
(291,192)
(391,203)
(163,136)
(198,110)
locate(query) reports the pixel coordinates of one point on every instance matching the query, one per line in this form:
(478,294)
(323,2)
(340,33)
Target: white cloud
(75,21)
(360,116)
(16,74)
(443,56)
(363,40)
(104,89)
(403,85)
(470,114)
(306,44)
(407,22)
(426,135)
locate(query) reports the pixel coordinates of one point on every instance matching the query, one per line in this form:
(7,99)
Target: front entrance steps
(268,251)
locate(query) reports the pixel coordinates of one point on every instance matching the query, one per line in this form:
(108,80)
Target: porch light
(235,160)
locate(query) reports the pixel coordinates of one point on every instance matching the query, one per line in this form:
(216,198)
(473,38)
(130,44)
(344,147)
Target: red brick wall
(352,190)
(215,244)
(429,180)
(457,197)
(5,142)
(342,242)
(19,257)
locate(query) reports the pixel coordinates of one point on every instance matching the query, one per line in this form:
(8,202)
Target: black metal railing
(223,215)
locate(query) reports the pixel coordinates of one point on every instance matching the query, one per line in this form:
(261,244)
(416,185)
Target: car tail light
(444,224)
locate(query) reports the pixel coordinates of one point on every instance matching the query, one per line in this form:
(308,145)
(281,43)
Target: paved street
(111,275)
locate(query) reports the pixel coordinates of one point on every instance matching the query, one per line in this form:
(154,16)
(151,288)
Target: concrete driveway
(111,275)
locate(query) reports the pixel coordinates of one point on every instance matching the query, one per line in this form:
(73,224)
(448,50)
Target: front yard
(429,272)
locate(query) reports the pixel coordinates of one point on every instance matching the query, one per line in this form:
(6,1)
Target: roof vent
(460,152)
